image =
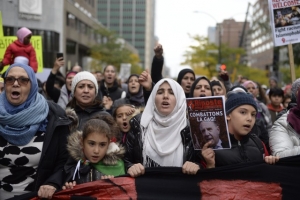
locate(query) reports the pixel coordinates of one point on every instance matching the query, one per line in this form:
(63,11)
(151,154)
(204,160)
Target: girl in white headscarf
(161,136)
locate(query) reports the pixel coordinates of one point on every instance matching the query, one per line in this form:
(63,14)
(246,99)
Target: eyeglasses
(11,80)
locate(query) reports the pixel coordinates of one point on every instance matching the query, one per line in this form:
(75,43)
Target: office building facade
(68,26)
(132,20)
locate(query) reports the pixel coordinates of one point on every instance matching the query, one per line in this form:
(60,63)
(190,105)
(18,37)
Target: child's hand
(107,176)
(130,111)
(271,159)
(136,170)
(209,155)
(69,185)
(190,168)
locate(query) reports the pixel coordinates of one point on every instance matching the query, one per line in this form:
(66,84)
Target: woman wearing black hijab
(201,88)
(186,78)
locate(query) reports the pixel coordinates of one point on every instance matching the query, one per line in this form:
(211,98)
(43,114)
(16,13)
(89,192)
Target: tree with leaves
(113,52)
(203,59)
(204,55)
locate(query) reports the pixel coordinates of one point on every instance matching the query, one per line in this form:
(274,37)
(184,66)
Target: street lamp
(219,32)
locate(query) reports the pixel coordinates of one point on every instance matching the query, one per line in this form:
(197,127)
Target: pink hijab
(247,82)
(22,33)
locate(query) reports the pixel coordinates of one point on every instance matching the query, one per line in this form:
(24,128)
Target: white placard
(125,71)
(285,21)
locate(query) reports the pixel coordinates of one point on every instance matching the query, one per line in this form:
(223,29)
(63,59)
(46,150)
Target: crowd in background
(87,126)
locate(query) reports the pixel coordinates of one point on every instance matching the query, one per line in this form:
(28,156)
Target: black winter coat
(54,152)
(134,145)
(87,113)
(114,92)
(249,149)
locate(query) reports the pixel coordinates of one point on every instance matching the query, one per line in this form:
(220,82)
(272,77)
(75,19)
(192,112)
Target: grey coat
(283,139)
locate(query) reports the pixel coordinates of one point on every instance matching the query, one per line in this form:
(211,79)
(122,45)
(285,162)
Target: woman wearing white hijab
(160,137)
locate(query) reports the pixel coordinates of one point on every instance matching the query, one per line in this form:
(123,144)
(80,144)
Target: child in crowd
(22,49)
(276,96)
(122,114)
(241,110)
(286,100)
(98,157)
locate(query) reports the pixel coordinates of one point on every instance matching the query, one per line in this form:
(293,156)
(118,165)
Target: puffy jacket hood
(114,153)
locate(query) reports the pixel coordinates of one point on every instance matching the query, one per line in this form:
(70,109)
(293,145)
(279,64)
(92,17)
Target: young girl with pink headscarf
(21,50)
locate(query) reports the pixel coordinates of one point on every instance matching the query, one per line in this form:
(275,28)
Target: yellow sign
(36,42)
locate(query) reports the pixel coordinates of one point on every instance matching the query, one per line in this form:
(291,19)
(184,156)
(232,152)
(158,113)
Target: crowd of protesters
(85,126)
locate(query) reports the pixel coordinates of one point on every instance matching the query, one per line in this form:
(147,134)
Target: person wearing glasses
(33,137)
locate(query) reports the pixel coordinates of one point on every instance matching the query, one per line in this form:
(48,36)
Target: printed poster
(208,122)
(285,21)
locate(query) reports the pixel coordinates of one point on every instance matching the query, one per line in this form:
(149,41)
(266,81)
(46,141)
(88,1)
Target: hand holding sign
(209,155)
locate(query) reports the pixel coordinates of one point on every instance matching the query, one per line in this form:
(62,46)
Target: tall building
(232,34)
(68,26)
(211,33)
(261,36)
(132,20)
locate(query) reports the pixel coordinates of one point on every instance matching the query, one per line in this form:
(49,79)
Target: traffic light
(223,67)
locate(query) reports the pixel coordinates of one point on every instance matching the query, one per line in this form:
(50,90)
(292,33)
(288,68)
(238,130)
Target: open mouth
(202,95)
(15,94)
(165,104)
(247,126)
(125,125)
(95,157)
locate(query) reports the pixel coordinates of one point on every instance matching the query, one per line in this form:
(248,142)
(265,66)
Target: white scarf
(161,134)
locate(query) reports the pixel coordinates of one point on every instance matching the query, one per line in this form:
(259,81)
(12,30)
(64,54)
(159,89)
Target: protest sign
(208,122)
(285,21)
(36,42)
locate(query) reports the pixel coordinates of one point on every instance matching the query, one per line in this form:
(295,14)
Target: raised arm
(146,81)
(52,91)
(157,64)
